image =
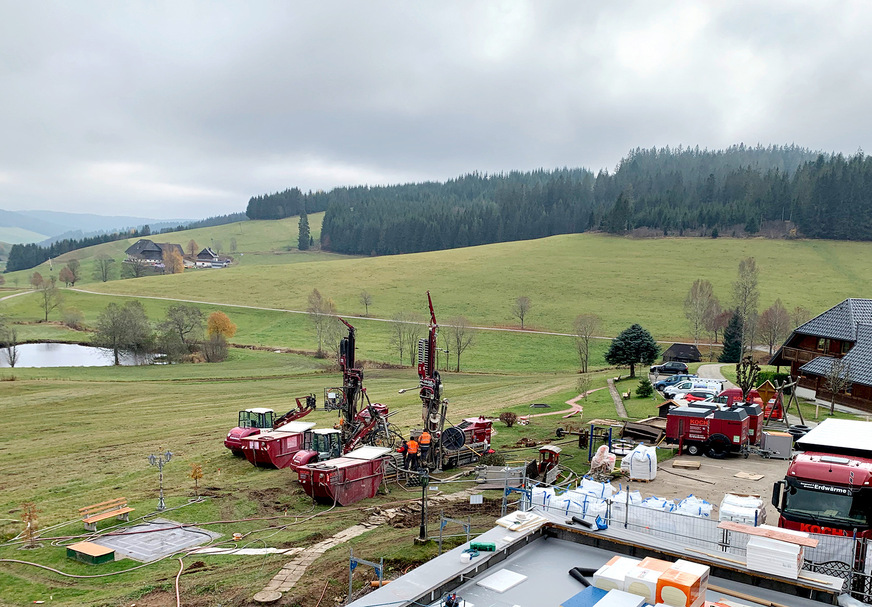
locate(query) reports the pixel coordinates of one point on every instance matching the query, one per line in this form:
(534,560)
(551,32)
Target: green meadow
(70,437)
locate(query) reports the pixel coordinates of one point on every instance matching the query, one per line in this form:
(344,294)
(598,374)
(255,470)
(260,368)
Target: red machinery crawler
(257,420)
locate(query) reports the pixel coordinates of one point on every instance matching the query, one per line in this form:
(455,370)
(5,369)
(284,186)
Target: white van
(693,384)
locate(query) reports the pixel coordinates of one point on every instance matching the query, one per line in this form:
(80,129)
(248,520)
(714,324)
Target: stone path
(291,573)
(619,402)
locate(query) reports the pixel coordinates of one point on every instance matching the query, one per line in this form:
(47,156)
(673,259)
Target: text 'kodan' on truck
(828,486)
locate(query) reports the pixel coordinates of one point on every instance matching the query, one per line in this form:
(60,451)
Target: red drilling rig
(455,445)
(359,423)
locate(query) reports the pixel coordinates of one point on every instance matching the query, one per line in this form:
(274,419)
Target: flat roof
(368,452)
(842,436)
(545,559)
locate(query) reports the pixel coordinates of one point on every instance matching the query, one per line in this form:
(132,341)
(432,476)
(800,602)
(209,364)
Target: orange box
(683,585)
(655,564)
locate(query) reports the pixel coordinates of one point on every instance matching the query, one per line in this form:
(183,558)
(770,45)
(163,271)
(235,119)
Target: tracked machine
(254,421)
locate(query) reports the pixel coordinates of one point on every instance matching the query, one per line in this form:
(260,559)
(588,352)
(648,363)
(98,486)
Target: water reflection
(68,355)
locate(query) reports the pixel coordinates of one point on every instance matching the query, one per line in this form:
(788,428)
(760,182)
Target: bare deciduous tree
(320,310)
(837,380)
(585,326)
(49,296)
(406,331)
(521,308)
(10,345)
(103,267)
(461,336)
(746,374)
(799,316)
(774,324)
(698,307)
(745,296)
(134,268)
(366,300)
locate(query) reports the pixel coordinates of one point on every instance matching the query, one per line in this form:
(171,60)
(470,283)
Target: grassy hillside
(96,427)
(257,242)
(622,280)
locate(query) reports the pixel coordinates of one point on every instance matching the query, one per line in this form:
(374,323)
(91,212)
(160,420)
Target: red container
(347,479)
(275,449)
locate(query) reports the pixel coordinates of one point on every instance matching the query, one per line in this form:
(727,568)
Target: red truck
(715,432)
(828,485)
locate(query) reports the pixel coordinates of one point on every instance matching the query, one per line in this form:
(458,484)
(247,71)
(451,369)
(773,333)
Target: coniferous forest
(682,191)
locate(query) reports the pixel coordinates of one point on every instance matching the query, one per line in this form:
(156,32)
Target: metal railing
(846,557)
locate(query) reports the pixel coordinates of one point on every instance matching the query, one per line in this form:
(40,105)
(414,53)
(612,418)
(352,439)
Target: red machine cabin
(704,430)
(275,449)
(828,486)
(347,479)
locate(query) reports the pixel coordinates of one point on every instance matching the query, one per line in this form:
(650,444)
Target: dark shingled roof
(683,352)
(141,245)
(840,321)
(858,359)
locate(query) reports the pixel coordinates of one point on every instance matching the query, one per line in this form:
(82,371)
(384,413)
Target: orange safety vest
(413,447)
(424,439)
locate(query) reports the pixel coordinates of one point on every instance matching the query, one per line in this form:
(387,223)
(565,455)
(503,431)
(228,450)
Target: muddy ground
(713,479)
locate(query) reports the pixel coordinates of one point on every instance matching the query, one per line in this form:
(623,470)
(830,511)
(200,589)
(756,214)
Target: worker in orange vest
(412,444)
(424,442)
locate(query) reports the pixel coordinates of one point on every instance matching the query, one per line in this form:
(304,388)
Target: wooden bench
(97,512)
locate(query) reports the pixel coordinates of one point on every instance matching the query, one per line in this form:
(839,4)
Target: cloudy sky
(186,109)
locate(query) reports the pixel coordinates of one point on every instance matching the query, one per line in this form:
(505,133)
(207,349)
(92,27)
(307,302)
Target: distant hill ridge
(779,191)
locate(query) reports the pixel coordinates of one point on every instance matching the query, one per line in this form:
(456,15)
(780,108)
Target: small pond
(67,355)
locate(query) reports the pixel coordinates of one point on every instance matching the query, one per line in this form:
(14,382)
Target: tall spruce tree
(304,237)
(632,347)
(732,352)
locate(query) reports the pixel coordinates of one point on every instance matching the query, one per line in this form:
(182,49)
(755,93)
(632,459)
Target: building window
(846,345)
(823,345)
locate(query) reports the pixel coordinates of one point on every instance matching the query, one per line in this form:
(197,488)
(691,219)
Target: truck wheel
(719,447)
(694,449)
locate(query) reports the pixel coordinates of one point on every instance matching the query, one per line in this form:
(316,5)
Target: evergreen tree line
(26,256)
(673,191)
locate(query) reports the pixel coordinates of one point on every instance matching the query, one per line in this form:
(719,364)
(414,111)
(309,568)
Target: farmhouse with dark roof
(842,332)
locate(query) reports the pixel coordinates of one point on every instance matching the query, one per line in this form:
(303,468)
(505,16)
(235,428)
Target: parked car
(693,384)
(672,380)
(669,368)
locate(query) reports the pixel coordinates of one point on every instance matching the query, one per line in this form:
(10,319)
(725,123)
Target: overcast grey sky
(186,109)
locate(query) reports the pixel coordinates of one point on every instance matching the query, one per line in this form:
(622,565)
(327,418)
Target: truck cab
(828,485)
(251,422)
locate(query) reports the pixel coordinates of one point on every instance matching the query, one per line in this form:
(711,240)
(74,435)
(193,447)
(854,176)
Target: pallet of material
(770,532)
(687,464)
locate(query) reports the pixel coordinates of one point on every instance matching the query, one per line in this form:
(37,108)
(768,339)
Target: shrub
(508,418)
(215,348)
(645,389)
(73,318)
(493,459)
